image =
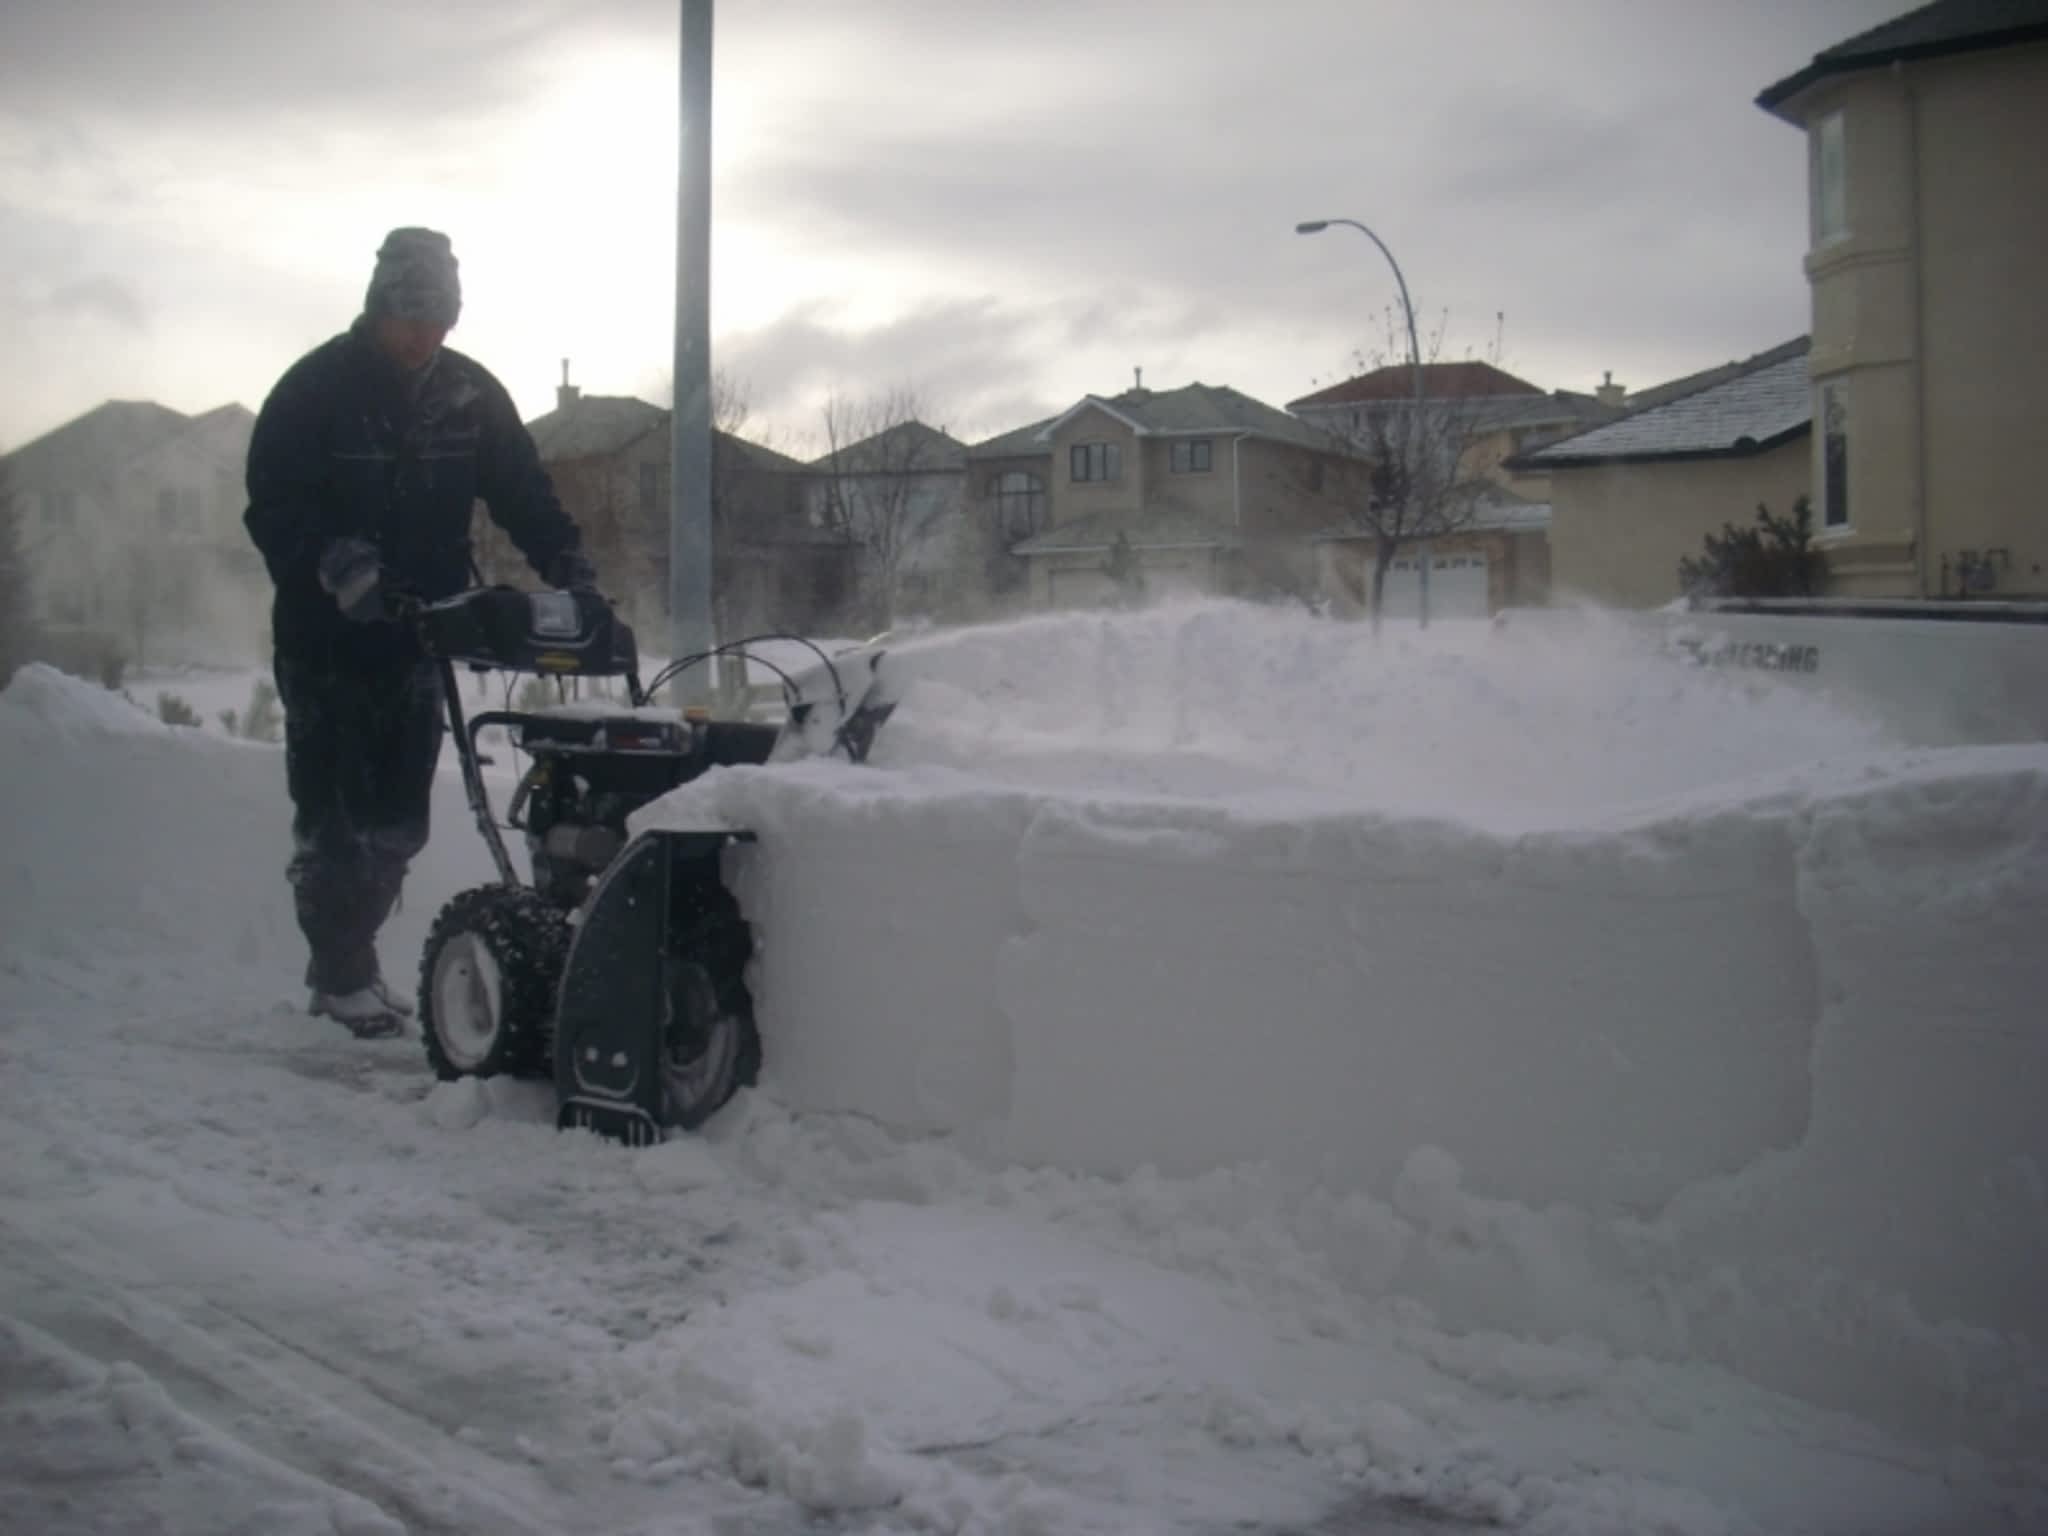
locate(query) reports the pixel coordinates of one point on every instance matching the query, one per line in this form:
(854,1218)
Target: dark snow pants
(360,749)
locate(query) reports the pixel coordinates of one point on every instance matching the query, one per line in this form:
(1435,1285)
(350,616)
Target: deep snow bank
(1690,959)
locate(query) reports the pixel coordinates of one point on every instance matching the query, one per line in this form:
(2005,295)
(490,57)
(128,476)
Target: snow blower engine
(620,970)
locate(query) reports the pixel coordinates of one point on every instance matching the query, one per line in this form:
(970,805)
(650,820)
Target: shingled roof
(908,447)
(1024,442)
(1945,27)
(1200,410)
(1440,381)
(590,425)
(1767,401)
(88,448)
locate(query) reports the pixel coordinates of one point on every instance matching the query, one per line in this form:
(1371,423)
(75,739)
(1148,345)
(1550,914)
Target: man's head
(415,296)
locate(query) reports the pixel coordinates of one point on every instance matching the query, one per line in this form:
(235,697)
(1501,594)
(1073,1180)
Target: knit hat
(415,278)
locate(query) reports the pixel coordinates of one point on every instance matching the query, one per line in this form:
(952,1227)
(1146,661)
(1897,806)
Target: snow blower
(620,969)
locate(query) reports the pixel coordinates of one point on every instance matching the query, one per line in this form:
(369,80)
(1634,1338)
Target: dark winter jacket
(347,445)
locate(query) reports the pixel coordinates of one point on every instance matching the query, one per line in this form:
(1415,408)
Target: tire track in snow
(267,1393)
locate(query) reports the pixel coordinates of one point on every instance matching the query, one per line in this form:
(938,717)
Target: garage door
(1457,587)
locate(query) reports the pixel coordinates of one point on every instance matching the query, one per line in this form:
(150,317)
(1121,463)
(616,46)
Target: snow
(1220,1076)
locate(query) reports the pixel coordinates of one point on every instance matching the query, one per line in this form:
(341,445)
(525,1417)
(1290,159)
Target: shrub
(1773,558)
(173,710)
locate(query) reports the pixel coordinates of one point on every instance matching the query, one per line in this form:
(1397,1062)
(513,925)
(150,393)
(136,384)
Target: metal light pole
(1316,227)
(691,630)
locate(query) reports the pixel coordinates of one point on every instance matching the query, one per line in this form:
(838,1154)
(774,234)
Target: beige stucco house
(1929,369)
(1632,497)
(1195,490)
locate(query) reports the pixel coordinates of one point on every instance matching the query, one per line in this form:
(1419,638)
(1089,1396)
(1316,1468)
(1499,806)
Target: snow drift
(1674,1009)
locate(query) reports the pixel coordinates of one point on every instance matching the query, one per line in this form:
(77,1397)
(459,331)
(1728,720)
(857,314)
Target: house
(1498,556)
(1929,363)
(131,524)
(1199,489)
(894,499)
(1632,497)
(608,457)
(1501,415)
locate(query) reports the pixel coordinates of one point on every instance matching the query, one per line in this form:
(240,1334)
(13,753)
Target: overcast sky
(1003,203)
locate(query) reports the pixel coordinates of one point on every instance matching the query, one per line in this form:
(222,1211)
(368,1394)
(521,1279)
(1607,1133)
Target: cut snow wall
(1788,1030)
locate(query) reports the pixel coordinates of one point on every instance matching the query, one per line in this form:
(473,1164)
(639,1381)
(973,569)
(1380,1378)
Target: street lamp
(1316,227)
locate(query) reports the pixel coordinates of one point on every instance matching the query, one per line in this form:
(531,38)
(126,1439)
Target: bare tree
(880,493)
(1418,486)
(732,399)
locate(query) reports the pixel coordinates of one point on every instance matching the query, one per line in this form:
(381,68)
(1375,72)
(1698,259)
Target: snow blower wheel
(710,1048)
(487,984)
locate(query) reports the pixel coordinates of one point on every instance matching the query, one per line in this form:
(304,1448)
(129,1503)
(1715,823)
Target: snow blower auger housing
(620,970)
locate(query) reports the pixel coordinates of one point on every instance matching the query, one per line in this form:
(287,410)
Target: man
(363,467)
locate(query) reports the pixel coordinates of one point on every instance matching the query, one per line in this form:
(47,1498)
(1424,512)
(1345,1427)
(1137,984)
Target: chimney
(566,394)
(1610,393)
(1137,381)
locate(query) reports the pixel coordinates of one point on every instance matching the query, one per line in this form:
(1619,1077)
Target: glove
(570,571)
(352,573)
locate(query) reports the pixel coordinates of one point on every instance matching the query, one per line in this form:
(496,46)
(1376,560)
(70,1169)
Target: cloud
(214,59)
(1010,204)
(963,357)
(103,298)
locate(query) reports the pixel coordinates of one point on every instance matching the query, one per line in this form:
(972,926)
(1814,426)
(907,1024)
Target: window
(1191,456)
(1020,503)
(1830,187)
(1834,455)
(650,489)
(1096,461)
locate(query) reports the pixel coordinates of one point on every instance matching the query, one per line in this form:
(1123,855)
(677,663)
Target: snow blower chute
(620,970)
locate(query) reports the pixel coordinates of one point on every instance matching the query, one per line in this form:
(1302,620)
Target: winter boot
(364,1013)
(392,998)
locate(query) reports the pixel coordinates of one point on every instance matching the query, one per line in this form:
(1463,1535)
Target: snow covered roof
(1148,530)
(1945,27)
(1766,402)
(1502,511)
